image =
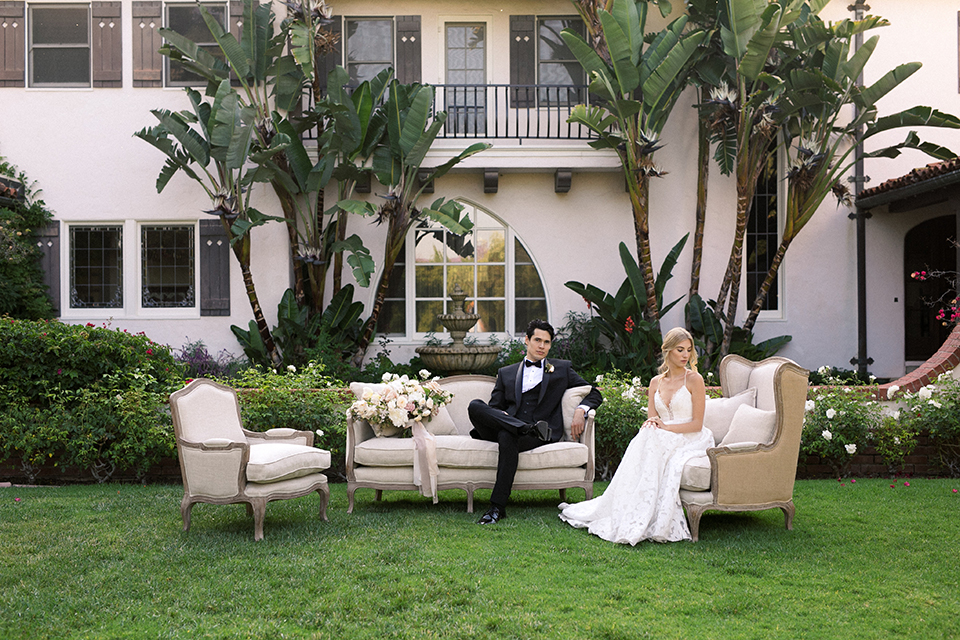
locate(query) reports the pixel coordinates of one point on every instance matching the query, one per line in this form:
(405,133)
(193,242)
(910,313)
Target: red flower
(629,325)
(149,352)
(90,324)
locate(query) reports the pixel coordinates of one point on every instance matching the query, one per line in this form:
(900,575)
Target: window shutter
(107,50)
(147,61)
(523,61)
(408,63)
(12,46)
(331,60)
(236,19)
(48,241)
(214,269)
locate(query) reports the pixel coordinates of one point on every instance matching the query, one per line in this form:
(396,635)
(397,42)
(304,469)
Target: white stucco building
(77,79)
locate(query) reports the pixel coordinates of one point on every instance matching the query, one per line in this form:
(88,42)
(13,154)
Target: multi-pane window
(96,267)
(488,263)
(369,48)
(187,20)
(557,67)
(167,266)
(466,65)
(763,236)
(59,45)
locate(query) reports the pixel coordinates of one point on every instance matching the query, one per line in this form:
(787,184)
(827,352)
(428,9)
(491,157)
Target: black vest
(528,404)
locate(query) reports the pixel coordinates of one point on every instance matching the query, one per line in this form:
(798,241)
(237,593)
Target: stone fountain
(458,358)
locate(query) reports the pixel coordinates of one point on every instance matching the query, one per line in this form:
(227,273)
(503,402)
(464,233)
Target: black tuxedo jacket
(558,376)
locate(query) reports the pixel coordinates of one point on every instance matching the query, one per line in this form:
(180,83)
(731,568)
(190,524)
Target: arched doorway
(927,247)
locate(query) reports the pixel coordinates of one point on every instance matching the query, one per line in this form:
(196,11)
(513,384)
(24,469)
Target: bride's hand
(654,422)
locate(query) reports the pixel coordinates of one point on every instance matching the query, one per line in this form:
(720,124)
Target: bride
(643,499)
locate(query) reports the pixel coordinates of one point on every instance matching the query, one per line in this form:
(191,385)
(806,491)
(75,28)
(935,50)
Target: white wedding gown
(643,499)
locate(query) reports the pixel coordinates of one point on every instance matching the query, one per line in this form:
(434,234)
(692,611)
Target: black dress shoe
(493,515)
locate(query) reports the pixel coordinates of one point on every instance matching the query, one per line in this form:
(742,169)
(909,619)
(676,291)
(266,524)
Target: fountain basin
(455,361)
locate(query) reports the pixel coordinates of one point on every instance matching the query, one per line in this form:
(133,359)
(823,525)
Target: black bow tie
(536,364)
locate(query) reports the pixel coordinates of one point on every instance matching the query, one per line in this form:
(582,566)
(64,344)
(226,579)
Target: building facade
(78,79)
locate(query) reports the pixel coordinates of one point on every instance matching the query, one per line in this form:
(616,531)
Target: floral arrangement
(401,400)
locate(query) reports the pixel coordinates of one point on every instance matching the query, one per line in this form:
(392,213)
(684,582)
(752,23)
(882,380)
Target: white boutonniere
(548,367)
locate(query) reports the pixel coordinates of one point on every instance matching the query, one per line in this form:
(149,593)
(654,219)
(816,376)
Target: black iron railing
(516,111)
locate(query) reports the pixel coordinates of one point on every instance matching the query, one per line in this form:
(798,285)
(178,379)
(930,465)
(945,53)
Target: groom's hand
(576,427)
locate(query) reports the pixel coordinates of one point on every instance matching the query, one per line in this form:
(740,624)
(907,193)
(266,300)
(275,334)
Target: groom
(524,411)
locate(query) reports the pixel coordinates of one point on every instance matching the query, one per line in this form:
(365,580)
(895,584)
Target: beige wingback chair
(223,463)
(756,476)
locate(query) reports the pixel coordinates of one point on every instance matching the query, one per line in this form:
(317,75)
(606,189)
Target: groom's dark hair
(540,324)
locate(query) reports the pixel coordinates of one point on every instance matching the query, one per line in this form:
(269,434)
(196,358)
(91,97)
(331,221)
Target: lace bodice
(679,410)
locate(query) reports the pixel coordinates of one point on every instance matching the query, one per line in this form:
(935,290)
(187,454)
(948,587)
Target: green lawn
(863,561)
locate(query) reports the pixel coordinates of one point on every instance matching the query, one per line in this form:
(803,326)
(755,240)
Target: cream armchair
(753,476)
(223,463)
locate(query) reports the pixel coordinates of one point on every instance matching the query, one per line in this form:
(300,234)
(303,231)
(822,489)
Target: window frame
(67,273)
(778,314)
(347,20)
(194,246)
(538,62)
(192,311)
(31,46)
(412,336)
(168,83)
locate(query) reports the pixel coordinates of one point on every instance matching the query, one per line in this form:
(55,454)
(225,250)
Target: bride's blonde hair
(670,342)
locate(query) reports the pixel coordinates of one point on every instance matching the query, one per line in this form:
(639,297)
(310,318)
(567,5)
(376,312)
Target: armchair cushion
(467,453)
(718,412)
(273,462)
(696,474)
(751,425)
(441,424)
(568,405)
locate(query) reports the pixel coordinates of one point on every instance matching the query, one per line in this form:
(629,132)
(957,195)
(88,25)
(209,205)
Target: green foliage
(935,409)
(707,332)
(629,341)
(618,419)
(304,399)
(838,424)
(23,294)
(83,396)
(894,441)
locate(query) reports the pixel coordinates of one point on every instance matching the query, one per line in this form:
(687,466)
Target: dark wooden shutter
(147,61)
(523,61)
(214,269)
(235,21)
(331,60)
(107,49)
(48,241)
(408,63)
(12,44)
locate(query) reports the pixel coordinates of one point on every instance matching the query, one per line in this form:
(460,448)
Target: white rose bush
(839,422)
(935,409)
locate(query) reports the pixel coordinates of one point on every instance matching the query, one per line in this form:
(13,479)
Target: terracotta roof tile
(916,176)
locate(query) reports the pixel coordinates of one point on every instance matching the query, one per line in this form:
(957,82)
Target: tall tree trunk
(734,273)
(396,237)
(640,201)
(703,175)
(241,250)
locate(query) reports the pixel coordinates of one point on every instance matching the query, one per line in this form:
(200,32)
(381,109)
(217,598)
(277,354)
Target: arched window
(490,264)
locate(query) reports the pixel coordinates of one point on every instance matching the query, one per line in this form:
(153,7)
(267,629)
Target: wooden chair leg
(259,506)
(350,492)
(324,492)
(563,495)
(185,506)
(693,519)
(788,512)
(379,495)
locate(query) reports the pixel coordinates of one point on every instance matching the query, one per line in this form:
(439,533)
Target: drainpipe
(861,361)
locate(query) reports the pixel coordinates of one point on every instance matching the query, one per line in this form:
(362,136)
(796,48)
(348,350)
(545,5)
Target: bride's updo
(670,342)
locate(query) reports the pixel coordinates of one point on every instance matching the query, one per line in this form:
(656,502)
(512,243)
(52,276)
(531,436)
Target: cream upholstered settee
(757,426)
(387,463)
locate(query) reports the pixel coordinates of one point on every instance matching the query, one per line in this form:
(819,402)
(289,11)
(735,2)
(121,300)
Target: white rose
(291,368)
(851,448)
(896,415)
(925,393)
(935,403)
(810,405)
(424,374)
(598,379)
(831,413)
(892,391)
(385,377)
(826,435)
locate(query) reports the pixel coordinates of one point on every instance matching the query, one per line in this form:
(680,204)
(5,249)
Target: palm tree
(637,84)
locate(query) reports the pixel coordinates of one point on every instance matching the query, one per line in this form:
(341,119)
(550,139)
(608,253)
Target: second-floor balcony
(508,111)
